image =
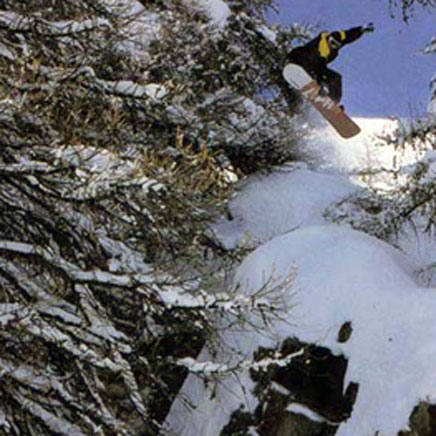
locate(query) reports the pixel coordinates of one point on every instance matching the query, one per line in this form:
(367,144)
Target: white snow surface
(344,275)
(270,205)
(217,10)
(338,275)
(300,409)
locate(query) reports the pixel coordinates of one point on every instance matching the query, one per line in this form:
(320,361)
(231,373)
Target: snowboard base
(299,79)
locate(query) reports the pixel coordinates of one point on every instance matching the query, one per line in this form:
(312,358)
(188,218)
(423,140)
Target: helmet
(335,40)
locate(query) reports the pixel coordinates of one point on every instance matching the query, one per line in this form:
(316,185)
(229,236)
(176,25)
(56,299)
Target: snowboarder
(317,53)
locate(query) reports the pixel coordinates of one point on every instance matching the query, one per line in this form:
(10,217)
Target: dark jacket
(317,53)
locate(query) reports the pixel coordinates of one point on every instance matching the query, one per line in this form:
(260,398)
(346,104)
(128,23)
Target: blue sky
(384,73)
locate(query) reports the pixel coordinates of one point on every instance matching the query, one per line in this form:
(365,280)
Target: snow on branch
(25,168)
(219,369)
(72,271)
(123,88)
(58,425)
(49,390)
(128,88)
(18,23)
(93,383)
(4,422)
(172,297)
(26,319)
(226,302)
(431,46)
(217,10)
(29,319)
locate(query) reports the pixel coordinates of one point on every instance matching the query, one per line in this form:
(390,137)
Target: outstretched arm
(356,32)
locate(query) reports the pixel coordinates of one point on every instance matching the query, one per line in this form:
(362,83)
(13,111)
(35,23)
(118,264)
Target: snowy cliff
(128,130)
(327,276)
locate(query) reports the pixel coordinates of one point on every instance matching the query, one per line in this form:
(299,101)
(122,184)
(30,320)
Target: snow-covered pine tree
(407,6)
(414,202)
(113,115)
(411,205)
(224,69)
(431,50)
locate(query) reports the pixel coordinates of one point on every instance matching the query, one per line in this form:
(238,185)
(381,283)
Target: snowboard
(299,79)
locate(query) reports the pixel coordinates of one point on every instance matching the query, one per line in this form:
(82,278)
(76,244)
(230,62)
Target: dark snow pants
(327,78)
(332,80)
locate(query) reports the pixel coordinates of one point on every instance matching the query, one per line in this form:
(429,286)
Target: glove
(369,28)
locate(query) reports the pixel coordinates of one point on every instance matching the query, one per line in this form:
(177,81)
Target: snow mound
(273,204)
(342,275)
(355,278)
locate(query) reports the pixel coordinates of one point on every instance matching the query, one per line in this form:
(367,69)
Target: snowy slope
(270,205)
(341,275)
(344,275)
(297,195)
